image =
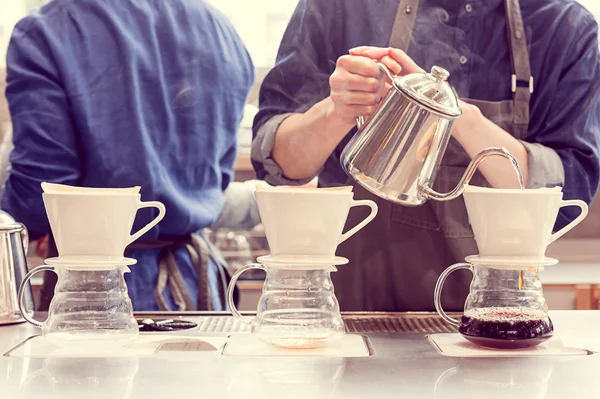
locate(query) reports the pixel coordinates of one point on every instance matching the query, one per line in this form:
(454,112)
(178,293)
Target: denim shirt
(472,44)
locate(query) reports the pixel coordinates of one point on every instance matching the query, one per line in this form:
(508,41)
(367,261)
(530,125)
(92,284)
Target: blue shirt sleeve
(304,63)
(45,145)
(569,122)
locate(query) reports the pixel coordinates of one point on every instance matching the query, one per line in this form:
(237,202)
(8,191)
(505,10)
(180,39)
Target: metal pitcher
(398,149)
(14,242)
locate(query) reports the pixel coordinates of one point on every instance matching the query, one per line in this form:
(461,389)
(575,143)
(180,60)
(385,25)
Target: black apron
(396,259)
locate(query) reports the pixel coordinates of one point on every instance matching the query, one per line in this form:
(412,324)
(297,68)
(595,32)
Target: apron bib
(396,259)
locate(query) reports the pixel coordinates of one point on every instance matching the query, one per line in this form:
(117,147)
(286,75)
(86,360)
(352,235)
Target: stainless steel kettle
(398,149)
(14,242)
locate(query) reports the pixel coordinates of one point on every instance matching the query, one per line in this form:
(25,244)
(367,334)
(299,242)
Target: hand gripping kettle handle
(360,121)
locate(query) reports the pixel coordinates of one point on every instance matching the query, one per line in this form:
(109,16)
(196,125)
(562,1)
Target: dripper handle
(161,214)
(578,219)
(430,193)
(362,224)
(360,121)
(21,295)
(437,294)
(231,290)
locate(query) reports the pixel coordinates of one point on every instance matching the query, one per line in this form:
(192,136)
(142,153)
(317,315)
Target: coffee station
(298,344)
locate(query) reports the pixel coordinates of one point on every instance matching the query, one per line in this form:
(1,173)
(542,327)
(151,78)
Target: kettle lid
(432,91)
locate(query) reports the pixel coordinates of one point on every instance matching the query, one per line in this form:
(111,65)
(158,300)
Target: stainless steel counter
(404,365)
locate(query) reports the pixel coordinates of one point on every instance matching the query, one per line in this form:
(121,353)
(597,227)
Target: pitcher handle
(584,211)
(430,193)
(437,294)
(21,295)
(360,121)
(362,224)
(161,214)
(231,290)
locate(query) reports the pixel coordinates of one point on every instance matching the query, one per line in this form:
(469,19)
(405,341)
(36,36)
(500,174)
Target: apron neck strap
(521,79)
(403,24)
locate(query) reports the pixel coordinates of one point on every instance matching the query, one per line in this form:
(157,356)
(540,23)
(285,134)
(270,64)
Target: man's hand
(356,87)
(357,84)
(397,61)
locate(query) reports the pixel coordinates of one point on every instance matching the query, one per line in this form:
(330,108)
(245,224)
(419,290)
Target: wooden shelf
(575,250)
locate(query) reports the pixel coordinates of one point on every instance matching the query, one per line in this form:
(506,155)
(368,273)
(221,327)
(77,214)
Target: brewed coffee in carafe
(505,307)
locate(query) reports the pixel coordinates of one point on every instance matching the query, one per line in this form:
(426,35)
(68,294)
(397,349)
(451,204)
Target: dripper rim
(73,194)
(533,191)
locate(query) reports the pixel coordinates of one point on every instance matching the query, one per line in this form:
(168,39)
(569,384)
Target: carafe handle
(430,193)
(578,219)
(360,121)
(437,294)
(161,214)
(24,283)
(362,224)
(231,289)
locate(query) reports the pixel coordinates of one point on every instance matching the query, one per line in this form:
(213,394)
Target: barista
(114,93)
(529,78)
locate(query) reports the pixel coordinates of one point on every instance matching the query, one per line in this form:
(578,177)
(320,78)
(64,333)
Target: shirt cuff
(545,167)
(262,149)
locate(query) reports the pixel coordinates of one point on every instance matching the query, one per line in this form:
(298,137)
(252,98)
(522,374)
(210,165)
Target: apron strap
(403,24)
(521,79)
(169,273)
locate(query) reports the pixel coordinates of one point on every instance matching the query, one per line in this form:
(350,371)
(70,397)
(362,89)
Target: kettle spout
(429,193)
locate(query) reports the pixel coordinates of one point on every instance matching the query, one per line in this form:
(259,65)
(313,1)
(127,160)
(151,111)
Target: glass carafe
(505,308)
(297,309)
(89,307)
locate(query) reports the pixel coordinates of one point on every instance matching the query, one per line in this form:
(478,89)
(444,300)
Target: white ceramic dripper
(308,221)
(95,222)
(517,223)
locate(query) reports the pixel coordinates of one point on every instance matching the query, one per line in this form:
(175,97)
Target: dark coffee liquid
(506,328)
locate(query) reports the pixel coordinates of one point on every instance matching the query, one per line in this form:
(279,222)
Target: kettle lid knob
(440,73)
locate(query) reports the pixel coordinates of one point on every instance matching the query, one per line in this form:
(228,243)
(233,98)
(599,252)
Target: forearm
(304,141)
(476,133)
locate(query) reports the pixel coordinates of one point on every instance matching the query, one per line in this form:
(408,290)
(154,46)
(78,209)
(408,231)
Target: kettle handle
(360,121)
(21,296)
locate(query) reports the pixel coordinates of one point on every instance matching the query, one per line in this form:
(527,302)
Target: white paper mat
(350,345)
(145,345)
(454,345)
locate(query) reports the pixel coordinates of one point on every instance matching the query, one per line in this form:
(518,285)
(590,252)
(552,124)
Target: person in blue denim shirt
(119,93)
(527,73)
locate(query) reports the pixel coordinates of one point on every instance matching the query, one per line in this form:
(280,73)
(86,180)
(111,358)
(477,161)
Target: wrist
(333,122)
(469,120)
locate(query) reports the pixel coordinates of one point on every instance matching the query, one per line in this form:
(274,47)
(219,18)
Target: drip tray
(361,323)
(396,323)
